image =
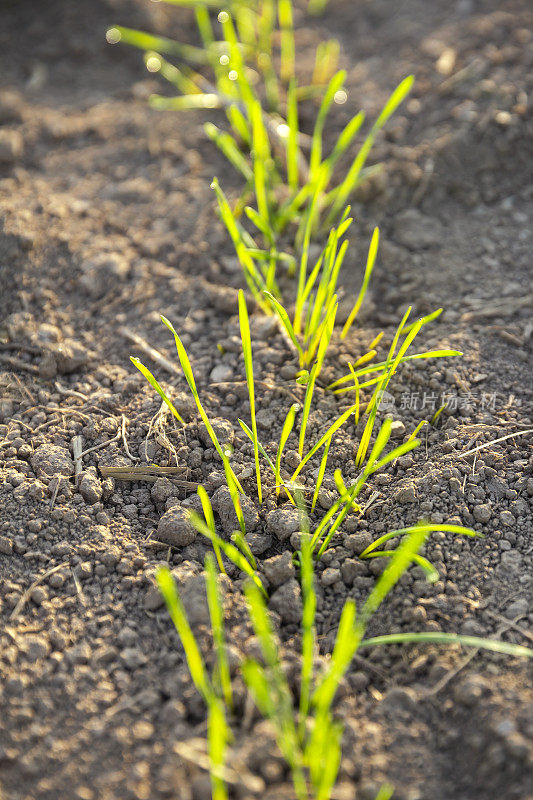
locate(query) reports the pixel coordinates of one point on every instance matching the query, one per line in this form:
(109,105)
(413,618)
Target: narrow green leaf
(155,385)
(370,261)
(431,637)
(178,616)
(246,339)
(216,613)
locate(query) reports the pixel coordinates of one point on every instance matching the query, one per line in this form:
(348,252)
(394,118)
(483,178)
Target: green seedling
(210,522)
(240,558)
(308,735)
(232,481)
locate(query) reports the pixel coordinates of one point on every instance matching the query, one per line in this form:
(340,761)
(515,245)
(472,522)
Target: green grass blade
(399,563)
(307,407)
(203,23)
(399,451)
(432,637)
(182,79)
(323,439)
(244,547)
(210,521)
(315,160)
(228,146)
(308,628)
(261,155)
(343,192)
(321,471)
(262,450)
(229,550)
(287,40)
(346,643)
(253,276)
(370,261)
(178,616)
(189,377)
(261,224)
(146,41)
(239,123)
(216,612)
(425,320)
(292,137)
(188,102)
(218,735)
(155,385)
(285,433)
(285,321)
(246,339)
(344,141)
(430,527)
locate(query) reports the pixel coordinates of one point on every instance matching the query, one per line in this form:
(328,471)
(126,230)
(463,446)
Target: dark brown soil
(107,221)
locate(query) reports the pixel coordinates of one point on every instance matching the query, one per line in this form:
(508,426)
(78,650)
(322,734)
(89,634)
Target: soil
(107,221)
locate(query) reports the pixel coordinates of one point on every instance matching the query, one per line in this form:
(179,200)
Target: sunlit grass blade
(183,79)
(235,491)
(189,102)
(320,476)
(230,551)
(308,627)
(252,275)
(261,155)
(262,450)
(432,574)
(432,637)
(228,146)
(285,433)
(429,527)
(306,408)
(216,612)
(344,141)
(218,735)
(189,377)
(210,521)
(261,224)
(274,694)
(346,643)
(287,40)
(357,388)
(418,429)
(306,225)
(248,366)
(370,261)
(167,587)
(386,791)
(425,320)
(285,321)
(380,366)
(342,193)
(155,385)
(323,439)
(326,61)
(399,563)
(292,136)
(240,124)
(244,547)
(146,41)
(335,84)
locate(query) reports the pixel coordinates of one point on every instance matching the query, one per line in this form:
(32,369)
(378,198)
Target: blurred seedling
(308,734)
(283,167)
(216,689)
